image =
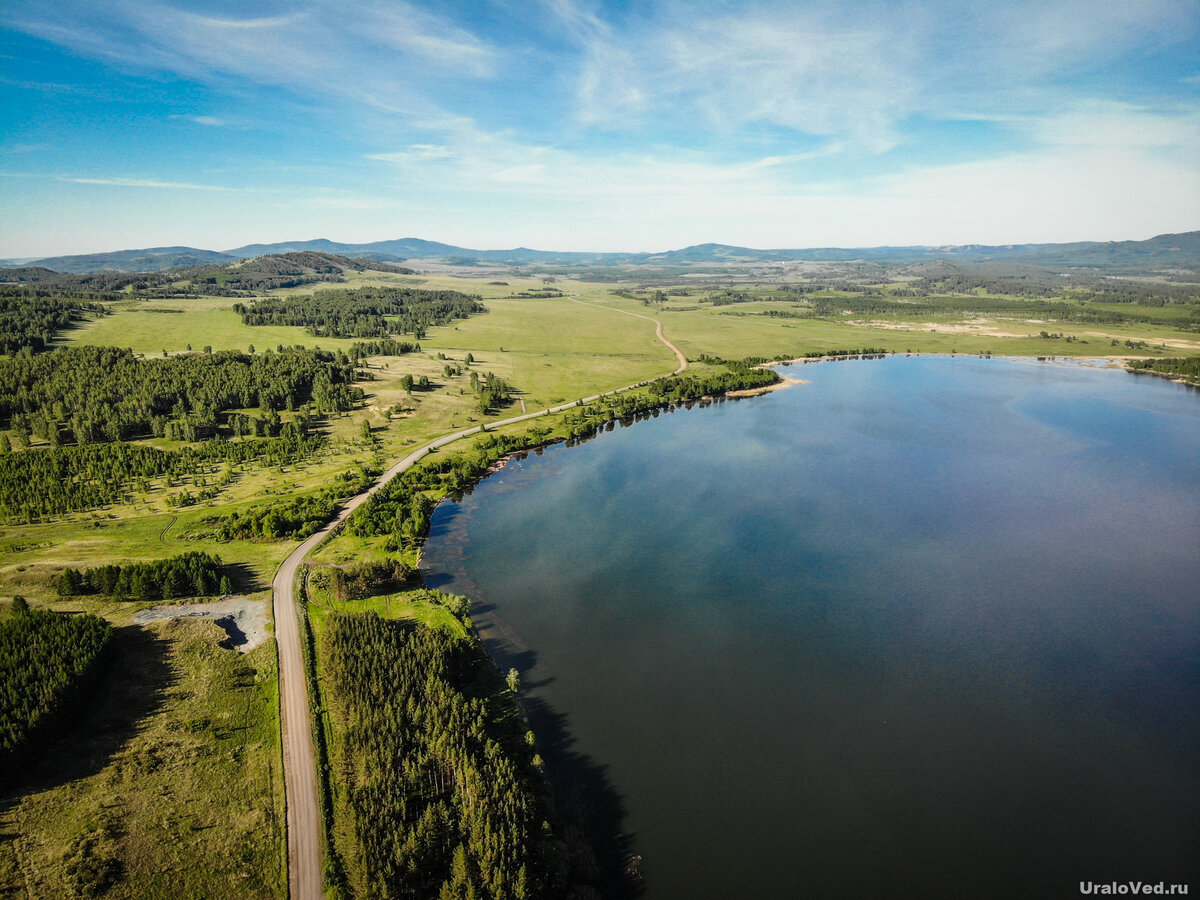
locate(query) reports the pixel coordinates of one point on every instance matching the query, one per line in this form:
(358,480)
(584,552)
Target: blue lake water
(920,627)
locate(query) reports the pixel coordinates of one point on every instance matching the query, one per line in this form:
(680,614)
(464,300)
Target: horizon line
(826,247)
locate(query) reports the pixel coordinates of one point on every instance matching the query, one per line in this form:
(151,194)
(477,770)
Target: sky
(604,126)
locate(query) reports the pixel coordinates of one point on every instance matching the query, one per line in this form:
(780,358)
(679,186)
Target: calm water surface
(923,627)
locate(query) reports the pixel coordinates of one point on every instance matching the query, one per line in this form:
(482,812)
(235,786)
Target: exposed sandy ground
(244,620)
(767,388)
(986,328)
(977,326)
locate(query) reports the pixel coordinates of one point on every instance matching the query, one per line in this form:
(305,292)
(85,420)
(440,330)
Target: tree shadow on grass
(243,578)
(133,687)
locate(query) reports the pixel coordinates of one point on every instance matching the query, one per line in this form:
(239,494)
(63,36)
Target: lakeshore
(601,663)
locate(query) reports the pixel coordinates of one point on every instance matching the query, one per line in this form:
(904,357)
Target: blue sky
(573,125)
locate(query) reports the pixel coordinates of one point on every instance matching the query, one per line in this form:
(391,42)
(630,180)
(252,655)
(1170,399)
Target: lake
(922,626)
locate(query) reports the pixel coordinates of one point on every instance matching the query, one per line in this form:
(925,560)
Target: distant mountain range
(1167,251)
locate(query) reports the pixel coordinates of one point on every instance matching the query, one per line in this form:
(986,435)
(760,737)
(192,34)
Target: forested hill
(151,259)
(1166,251)
(1175,250)
(242,278)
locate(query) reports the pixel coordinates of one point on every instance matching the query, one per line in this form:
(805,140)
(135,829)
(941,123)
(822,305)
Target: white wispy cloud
(803,69)
(336,202)
(1103,123)
(318,47)
(22,147)
(851,70)
(435,40)
(415,153)
(264,22)
(47,87)
(144,183)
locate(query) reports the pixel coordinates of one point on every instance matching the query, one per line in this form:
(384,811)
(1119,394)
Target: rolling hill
(1164,252)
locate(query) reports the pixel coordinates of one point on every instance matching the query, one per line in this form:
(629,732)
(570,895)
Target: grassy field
(169,787)
(408,604)
(741,329)
(152,326)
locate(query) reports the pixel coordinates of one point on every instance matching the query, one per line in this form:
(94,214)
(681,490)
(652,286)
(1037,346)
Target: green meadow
(152,326)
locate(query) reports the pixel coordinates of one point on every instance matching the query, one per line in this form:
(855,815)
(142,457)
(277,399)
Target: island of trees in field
(89,403)
(33,324)
(193,574)
(368,312)
(85,395)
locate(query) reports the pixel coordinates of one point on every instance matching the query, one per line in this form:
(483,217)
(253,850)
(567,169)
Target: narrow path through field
(162,535)
(304,825)
(658,333)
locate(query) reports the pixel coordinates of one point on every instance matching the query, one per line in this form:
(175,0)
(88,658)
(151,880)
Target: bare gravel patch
(244,620)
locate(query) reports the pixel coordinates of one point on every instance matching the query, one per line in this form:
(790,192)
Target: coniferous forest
(447,800)
(1186,368)
(48,662)
(368,312)
(88,402)
(30,323)
(40,484)
(191,574)
(87,395)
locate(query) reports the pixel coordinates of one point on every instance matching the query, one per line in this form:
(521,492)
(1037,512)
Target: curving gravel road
(304,826)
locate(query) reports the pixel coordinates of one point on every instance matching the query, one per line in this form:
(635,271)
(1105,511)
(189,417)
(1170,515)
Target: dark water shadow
(133,688)
(440,582)
(589,810)
(444,522)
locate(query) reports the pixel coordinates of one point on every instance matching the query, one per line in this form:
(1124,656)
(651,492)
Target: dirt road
(304,825)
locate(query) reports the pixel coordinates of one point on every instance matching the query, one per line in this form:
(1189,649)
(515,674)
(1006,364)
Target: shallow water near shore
(923,627)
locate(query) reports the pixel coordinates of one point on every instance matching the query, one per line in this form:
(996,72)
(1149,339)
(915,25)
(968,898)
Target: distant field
(740,330)
(150,326)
